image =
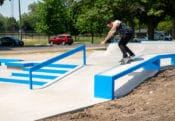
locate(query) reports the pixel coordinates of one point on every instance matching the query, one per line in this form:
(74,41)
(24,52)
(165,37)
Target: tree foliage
(151,13)
(90,16)
(2,23)
(52,17)
(30,19)
(12,25)
(169,7)
(8,24)
(166,25)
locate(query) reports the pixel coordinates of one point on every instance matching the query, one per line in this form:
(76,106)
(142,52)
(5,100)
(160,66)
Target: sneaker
(121,60)
(125,61)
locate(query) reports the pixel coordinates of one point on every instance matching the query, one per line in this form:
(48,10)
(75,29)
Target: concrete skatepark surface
(75,91)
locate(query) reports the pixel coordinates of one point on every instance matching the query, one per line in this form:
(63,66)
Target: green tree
(2,23)
(2,26)
(148,12)
(166,25)
(169,7)
(151,14)
(124,10)
(12,25)
(92,16)
(52,17)
(29,19)
(72,12)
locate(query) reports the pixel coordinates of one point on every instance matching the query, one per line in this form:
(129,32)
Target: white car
(139,39)
(161,35)
(169,37)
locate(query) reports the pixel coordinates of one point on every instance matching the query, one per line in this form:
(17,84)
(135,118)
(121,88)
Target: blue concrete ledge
(104,82)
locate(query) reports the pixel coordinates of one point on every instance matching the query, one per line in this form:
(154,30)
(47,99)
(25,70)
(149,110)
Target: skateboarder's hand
(103,43)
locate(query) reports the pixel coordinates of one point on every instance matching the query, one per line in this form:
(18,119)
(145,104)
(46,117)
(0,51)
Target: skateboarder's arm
(109,35)
(111,32)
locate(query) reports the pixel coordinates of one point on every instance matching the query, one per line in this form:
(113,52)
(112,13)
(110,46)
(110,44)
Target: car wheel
(51,43)
(21,45)
(69,43)
(63,43)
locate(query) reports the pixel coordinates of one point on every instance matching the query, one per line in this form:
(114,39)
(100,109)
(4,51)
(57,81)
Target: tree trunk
(173,32)
(48,37)
(151,26)
(150,32)
(92,38)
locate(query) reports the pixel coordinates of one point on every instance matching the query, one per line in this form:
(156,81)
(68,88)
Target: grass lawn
(43,40)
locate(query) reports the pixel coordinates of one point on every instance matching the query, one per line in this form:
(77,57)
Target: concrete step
(22,81)
(48,70)
(27,78)
(60,66)
(37,73)
(23,74)
(20,63)
(70,66)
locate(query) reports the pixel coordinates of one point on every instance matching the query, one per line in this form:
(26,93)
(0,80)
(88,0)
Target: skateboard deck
(130,60)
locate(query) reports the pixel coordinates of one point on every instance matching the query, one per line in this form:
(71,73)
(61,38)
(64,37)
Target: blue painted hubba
(57,58)
(104,84)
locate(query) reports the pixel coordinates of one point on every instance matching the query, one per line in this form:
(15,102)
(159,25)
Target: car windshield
(16,39)
(62,36)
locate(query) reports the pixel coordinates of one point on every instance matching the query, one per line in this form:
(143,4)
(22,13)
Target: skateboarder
(126,34)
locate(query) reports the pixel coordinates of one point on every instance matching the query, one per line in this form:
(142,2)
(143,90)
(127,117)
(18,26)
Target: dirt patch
(154,100)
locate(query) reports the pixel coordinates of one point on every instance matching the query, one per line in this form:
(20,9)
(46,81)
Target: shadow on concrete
(136,59)
(136,78)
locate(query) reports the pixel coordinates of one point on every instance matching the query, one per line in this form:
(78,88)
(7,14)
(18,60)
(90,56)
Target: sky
(8,11)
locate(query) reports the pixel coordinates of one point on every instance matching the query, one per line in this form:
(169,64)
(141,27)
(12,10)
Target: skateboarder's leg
(122,46)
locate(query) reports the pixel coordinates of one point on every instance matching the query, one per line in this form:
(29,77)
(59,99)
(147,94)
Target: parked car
(61,39)
(168,37)
(139,39)
(11,41)
(161,35)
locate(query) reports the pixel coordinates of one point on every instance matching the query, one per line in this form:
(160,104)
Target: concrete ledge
(104,82)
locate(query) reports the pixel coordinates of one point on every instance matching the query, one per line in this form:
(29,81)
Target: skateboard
(129,60)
